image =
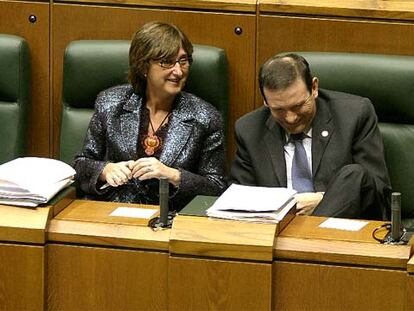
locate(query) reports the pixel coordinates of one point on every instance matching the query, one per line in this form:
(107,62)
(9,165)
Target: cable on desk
(382,227)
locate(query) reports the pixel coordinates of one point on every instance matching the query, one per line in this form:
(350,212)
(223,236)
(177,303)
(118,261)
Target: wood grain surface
(207,237)
(14,19)
(380,9)
(88,222)
(305,240)
(199,284)
(93,278)
(21,224)
(209,5)
(22,270)
(303,286)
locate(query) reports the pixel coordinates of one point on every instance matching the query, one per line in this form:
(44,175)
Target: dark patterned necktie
(301,173)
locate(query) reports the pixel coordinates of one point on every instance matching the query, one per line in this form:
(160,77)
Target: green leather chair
(388,80)
(14,96)
(91,66)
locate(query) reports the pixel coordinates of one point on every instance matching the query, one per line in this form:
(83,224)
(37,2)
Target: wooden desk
(95,261)
(410,283)
(220,264)
(328,269)
(101,262)
(22,254)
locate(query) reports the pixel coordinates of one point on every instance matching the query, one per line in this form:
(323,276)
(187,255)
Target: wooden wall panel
(21,277)
(71,22)
(303,286)
(203,284)
(214,5)
(277,33)
(92,278)
(14,19)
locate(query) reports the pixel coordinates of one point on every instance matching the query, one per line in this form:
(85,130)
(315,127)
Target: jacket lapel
(322,130)
(129,122)
(179,131)
(274,140)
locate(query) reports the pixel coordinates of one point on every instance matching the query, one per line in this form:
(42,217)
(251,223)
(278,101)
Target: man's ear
(315,87)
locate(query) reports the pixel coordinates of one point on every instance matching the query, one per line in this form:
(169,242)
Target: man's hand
(307,201)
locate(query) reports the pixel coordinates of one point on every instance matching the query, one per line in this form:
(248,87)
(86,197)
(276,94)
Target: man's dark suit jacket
(344,131)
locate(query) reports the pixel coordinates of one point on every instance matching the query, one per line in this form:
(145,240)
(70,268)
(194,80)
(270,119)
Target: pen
(106,185)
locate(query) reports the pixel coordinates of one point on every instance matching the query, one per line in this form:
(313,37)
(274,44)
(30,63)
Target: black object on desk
(198,206)
(166,217)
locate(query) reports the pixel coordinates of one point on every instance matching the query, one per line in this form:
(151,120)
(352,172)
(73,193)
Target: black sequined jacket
(194,144)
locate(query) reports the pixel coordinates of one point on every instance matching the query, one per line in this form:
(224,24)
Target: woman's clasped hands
(117,174)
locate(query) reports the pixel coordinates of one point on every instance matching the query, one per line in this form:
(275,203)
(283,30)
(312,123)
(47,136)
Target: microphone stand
(165,219)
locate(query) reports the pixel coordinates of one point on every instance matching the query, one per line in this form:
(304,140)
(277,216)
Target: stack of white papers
(260,204)
(31,181)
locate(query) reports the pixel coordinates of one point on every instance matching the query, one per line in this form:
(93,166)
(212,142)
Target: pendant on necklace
(151,144)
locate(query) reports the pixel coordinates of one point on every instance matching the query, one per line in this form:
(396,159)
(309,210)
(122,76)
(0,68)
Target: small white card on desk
(343,224)
(134,212)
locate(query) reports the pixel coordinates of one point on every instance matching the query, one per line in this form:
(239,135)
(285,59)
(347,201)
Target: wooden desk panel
(402,10)
(99,212)
(278,33)
(88,222)
(305,286)
(202,284)
(213,5)
(101,262)
(410,265)
(327,269)
(22,257)
(304,240)
(21,277)
(14,20)
(206,237)
(217,29)
(24,225)
(93,278)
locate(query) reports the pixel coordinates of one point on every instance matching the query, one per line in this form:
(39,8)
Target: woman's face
(167,77)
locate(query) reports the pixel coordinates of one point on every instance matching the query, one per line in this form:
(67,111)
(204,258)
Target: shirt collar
(308,134)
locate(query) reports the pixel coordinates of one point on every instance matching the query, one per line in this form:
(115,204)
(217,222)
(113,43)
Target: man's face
(294,107)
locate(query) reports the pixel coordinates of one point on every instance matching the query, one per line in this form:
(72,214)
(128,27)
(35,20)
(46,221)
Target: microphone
(164,194)
(396,231)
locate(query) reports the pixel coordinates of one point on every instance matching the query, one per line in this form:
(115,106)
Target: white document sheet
(32,172)
(134,212)
(30,181)
(253,199)
(343,224)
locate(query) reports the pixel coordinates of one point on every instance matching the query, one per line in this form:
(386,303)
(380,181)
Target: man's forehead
(295,90)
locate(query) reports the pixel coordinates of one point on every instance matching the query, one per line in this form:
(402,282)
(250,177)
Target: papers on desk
(259,204)
(343,224)
(134,212)
(31,181)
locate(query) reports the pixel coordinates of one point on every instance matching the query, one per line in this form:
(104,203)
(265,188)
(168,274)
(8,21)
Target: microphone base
(156,223)
(403,240)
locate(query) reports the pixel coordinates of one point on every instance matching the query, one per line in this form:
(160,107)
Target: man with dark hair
(324,144)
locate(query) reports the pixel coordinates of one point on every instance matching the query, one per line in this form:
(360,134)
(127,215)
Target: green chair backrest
(388,80)
(14,96)
(91,66)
